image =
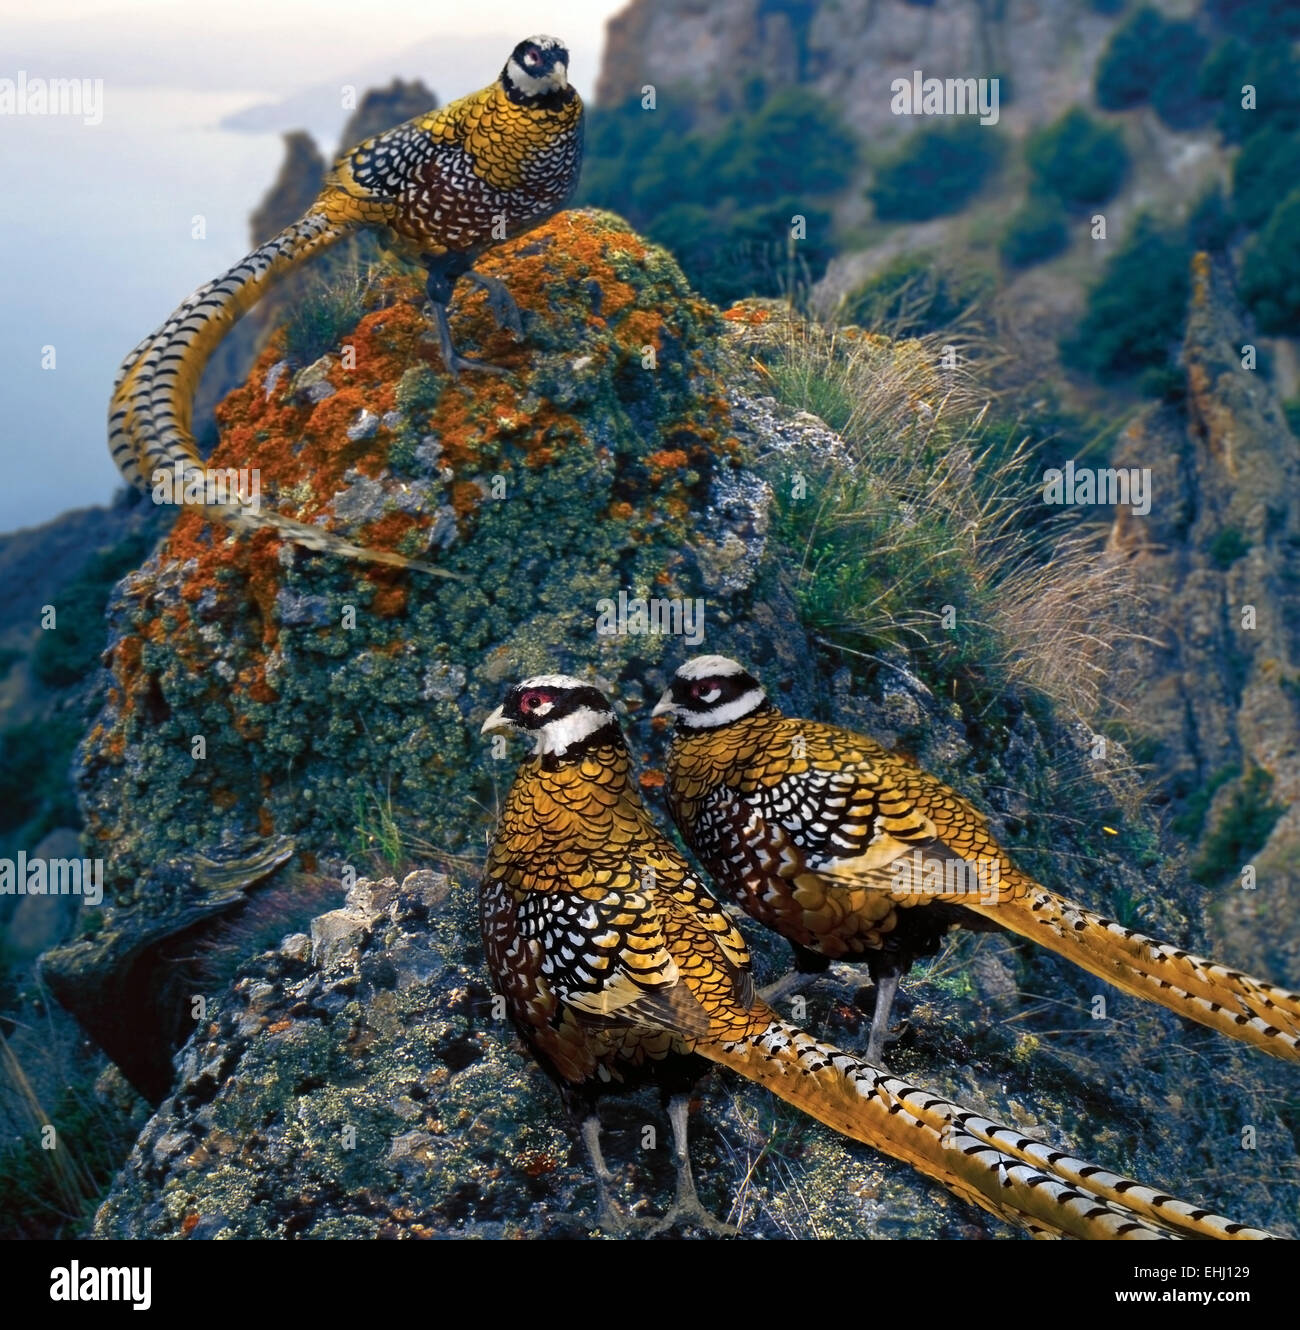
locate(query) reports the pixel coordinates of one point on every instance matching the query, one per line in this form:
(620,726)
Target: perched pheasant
(619,969)
(441,189)
(853,852)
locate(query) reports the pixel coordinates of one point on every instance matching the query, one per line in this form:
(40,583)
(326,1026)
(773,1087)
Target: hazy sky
(98,244)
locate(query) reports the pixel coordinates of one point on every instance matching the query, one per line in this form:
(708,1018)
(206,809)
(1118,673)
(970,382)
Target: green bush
(1197,800)
(1077,158)
(936,172)
(1241,831)
(728,256)
(1259,21)
(1210,224)
(1227,547)
(721,200)
(793,145)
(1038,231)
(915,295)
(622,144)
(1291,409)
(1136,310)
(68,652)
(1266,170)
(1153,58)
(1273,72)
(35,791)
(1270,270)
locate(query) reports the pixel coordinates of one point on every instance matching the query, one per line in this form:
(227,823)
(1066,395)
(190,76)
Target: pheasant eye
(530,702)
(703,688)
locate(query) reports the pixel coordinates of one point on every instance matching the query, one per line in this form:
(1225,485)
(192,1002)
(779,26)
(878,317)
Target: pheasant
(852,852)
(442,189)
(619,970)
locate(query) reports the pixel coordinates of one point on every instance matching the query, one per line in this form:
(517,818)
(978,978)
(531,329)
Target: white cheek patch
(543,708)
(530,85)
(736,709)
(711,696)
(560,735)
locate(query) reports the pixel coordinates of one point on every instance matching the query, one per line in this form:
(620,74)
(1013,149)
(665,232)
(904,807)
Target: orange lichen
(667,459)
(750,314)
(652,779)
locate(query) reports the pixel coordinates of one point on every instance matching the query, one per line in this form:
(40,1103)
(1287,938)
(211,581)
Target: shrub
(795,144)
(1136,310)
(1227,547)
(1270,271)
(35,789)
(747,252)
(1291,409)
(69,651)
(1266,170)
(936,172)
(1273,72)
(1127,70)
(1257,20)
(1077,158)
(1175,94)
(1035,233)
(914,295)
(721,200)
(1210,224)
(1153,58)
(1241,831)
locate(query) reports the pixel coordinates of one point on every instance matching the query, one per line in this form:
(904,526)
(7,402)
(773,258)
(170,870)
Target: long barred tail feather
(1020,1179)
(1227,1000)
(150,415)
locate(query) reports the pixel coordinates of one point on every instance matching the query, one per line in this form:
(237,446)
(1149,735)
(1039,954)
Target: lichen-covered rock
(360,1083)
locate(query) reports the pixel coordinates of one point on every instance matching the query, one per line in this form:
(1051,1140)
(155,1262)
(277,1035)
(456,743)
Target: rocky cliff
(1220,552)
(851,51)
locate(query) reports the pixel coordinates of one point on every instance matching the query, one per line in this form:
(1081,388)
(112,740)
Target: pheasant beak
(497,723)
(665,706)
(561,73)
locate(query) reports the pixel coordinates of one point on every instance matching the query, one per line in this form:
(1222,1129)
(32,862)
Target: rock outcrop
(1220,552)
(851,51)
